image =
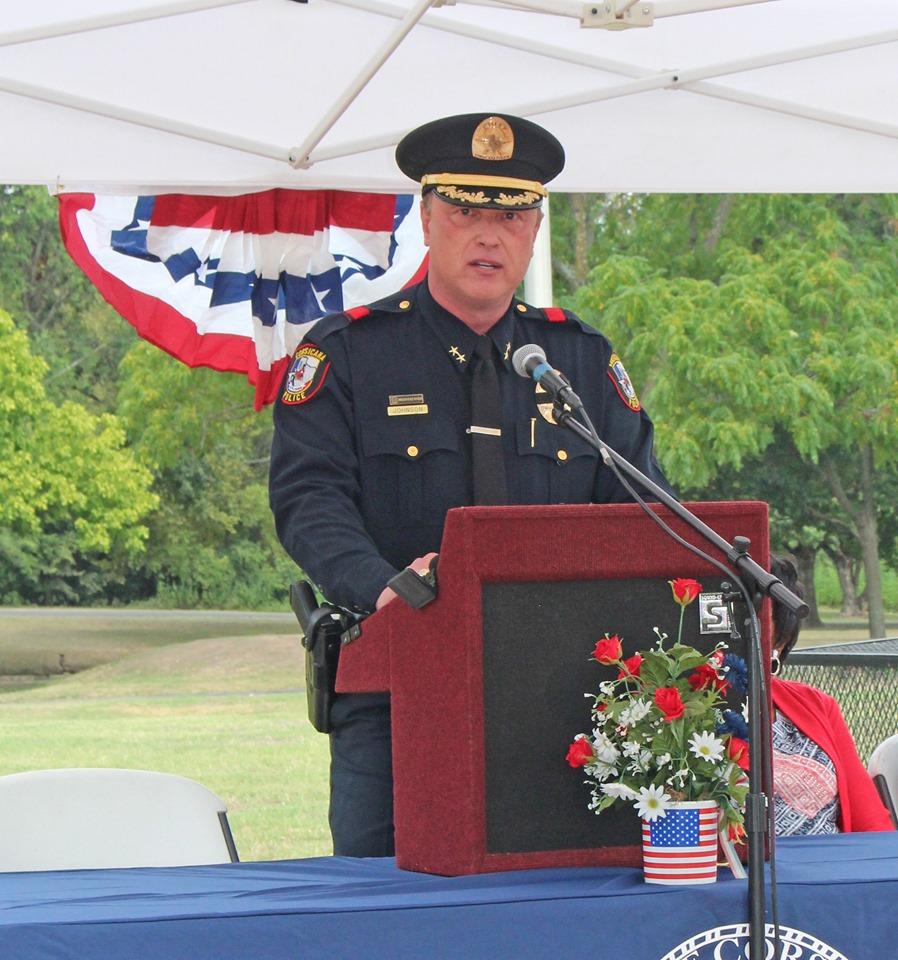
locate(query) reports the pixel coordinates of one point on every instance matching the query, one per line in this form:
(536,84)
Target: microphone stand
(756,807)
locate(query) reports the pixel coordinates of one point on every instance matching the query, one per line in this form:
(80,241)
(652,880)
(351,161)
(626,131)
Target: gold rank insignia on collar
(455,352)
(507,350)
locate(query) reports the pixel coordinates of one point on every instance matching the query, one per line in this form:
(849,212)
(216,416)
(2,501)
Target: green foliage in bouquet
(662,731)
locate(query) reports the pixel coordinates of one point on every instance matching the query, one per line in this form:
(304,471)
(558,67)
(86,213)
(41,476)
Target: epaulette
(397,302)
(327,325)
(551,315)
(331,322)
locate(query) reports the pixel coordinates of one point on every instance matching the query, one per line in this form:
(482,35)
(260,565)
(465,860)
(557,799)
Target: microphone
(530,362)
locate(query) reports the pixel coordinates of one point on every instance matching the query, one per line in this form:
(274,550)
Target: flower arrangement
(662,730)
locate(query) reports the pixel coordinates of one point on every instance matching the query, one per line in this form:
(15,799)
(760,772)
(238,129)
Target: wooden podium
(488,682)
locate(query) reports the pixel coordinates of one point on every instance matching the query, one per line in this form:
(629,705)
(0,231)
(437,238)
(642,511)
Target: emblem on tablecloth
(731,943)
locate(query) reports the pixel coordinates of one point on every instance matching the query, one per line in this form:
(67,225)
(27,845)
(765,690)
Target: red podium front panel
(488,682)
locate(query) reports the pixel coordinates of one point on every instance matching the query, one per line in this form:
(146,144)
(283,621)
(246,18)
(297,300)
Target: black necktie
(488,460)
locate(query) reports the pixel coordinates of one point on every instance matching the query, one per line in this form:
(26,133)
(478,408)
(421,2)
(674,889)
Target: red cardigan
(817,716)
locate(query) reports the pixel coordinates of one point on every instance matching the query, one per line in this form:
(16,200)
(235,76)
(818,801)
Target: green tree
(70,490)
(68,322)
(741,316)
(212,539)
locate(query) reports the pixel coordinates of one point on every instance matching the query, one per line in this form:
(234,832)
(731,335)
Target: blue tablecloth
(838,890)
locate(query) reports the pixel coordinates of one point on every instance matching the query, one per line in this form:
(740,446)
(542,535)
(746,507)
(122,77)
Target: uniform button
(412,451)
(562,455)
(405,304)
(522,308)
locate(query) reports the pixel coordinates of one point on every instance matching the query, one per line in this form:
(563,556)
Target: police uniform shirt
(371,446)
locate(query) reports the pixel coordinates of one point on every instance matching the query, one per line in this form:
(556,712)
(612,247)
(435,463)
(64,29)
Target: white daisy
(652,802)
(606,752)
(664,760)
(706,746)
(603,771)
(619,790)
(635,712)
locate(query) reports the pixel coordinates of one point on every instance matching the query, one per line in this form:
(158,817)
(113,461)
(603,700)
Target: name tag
(407,410)
(406,405)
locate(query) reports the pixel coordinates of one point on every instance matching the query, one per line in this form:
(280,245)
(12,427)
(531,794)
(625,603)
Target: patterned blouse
(806,799)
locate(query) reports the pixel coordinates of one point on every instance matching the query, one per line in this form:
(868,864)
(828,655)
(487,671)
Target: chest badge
(406,405)
(545,404)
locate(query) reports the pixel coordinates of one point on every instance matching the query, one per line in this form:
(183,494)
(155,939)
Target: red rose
(737,751)
(608,650)
(668,701)
(705,676)
(631,667)
(685,590)
(736,832)
(579,753)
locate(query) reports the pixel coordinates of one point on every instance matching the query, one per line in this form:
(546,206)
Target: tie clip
(486,431)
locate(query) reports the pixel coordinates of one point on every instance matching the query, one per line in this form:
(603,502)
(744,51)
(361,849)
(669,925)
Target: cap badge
(493,140)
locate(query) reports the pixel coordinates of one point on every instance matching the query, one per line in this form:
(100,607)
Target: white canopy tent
(235,95)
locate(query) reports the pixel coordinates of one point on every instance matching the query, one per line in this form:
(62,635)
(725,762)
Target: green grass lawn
(838,629)
(217,697)
(32,641)
(229,712)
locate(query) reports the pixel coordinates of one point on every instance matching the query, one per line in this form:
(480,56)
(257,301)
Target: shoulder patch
(306,374)
(622,382)
(357,313)
(554,314)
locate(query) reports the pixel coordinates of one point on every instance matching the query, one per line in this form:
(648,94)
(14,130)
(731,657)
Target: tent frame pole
(142,119)
(102,21)
(299,156)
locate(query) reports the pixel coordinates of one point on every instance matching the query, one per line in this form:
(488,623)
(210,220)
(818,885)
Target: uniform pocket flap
(549,440)
(407,437)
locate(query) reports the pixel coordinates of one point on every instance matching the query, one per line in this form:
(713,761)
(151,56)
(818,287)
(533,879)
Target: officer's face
(477,257)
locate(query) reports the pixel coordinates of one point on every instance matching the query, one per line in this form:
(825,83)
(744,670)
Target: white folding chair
(883,768)
(92,818)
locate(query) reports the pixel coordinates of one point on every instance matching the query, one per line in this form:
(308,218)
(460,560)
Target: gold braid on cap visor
(447,184)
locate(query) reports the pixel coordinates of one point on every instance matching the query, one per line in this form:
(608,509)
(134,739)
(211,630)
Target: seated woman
(820,783)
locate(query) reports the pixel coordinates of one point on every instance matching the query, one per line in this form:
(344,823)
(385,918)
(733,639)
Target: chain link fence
(863,678)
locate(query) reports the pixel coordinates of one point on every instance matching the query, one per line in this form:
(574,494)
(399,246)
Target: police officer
(394,413)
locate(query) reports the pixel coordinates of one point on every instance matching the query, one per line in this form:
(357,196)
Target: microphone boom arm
(736,552)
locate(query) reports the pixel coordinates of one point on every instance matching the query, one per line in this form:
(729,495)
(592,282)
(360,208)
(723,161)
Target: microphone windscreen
(526,358)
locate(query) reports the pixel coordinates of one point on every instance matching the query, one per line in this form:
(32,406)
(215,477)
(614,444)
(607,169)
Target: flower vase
(681,846)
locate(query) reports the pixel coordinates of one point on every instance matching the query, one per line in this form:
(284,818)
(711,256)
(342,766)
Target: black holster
(323,627)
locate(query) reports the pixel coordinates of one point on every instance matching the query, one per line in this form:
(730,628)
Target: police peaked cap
(482,160)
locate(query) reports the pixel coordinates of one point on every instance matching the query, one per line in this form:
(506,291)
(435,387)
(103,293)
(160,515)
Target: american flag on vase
(681,847)
(234,283)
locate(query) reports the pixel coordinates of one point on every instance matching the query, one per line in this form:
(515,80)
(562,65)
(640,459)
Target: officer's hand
(420,566)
